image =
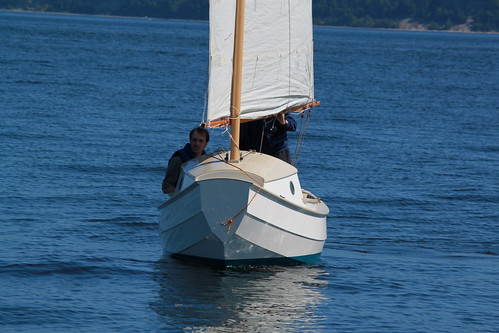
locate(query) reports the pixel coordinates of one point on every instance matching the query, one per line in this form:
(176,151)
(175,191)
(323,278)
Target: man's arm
(171,176)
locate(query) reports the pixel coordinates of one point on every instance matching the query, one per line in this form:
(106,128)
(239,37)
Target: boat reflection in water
(267,298)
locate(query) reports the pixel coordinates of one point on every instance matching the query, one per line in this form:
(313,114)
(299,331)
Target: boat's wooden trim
(223,122)
(303,107)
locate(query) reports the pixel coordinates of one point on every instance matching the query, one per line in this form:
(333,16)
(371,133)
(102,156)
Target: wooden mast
(237,71)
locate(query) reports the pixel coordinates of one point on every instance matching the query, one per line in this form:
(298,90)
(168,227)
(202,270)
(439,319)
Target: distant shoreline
(415,28)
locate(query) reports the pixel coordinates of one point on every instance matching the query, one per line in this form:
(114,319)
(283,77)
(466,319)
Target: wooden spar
(227,122)
(237,71)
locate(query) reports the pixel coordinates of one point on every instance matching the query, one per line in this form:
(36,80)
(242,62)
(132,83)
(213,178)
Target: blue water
(404,150)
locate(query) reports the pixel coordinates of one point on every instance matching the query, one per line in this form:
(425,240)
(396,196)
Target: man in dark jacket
(268,136)
(198,140)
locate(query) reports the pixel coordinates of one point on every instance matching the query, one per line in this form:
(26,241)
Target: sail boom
(224,122)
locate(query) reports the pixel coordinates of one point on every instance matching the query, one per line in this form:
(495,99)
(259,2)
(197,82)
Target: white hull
(272,221)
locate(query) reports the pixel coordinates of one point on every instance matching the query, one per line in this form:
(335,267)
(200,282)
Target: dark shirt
(174,165)
(275,137)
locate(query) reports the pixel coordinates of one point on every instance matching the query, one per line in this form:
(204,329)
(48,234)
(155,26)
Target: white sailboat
(248,207)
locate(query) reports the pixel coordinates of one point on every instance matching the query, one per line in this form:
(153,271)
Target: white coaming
(288,188)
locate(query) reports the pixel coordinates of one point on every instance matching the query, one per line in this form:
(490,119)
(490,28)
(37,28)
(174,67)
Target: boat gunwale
(258,190)
(178,195)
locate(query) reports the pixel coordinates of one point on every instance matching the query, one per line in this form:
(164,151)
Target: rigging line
(238,111)
(295,157)
(305,127)
(264,125)
(229,221)
(231,138)
(301,137)
(226,130)
(236,167)
(256,182)
(297,147)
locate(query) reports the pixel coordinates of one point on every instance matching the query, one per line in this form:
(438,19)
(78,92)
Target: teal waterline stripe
(282,261)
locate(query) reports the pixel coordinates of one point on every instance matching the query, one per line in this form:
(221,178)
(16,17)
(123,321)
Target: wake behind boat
(248,207)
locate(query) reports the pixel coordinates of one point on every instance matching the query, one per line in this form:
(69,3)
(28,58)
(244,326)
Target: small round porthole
(292,187)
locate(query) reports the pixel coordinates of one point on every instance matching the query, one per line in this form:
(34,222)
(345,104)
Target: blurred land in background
(449,15)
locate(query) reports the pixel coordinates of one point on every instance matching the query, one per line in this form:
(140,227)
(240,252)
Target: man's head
(198,139)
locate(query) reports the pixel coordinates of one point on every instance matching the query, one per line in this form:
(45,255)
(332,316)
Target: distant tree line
(479,15)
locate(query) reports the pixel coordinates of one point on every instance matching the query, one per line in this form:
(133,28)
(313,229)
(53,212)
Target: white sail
(277,57)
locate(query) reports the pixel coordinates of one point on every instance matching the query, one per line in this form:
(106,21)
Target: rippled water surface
(404,150)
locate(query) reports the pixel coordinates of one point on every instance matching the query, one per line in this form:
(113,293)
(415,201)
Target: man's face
(198,143)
